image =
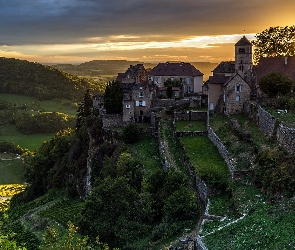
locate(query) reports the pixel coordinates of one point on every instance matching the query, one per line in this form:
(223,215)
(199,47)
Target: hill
(97,68)
(40,81)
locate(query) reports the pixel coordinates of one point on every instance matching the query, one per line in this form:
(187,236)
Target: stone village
(227,91)
(230,90)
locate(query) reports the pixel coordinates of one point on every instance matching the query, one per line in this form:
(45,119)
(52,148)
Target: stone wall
(221,148)
(168,103)
(198,115)
(266,122)
(191,133)
(190,116)
(112,120)
(286,137)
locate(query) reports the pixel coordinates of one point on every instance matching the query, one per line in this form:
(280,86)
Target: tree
(85,109)
(113,98)
(131,133)
(276,83)
(169,83)
(275,41)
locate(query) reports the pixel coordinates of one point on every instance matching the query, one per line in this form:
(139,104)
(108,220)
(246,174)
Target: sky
(75,31)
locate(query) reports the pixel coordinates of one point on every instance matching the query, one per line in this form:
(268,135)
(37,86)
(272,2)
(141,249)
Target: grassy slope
(251,222)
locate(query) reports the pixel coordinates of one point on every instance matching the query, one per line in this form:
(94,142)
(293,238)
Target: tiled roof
(243,42)
(218,79)
(284,65)
(174,69)
(225,67)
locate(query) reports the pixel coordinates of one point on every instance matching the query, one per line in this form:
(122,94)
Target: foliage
(274,173)
(53,239)
(42,82)
(173,83)
(131,133)
(169,83)
(85,109)
(113,98)
(275,41)
(275,84)
(45,122)
(8,147)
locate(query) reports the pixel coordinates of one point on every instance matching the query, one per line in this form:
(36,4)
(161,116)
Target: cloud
(102,27)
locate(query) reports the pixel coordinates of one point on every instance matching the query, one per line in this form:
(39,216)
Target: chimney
(286,60)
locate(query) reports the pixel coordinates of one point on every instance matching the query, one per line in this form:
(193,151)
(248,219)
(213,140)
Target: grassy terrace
(250,222)
(205,158)
(149,158)
(241,149)
(288,118)
(190,126)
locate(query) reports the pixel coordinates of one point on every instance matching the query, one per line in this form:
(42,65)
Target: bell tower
(243,58)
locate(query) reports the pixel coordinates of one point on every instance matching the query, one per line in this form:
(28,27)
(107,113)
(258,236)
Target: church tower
(243,58)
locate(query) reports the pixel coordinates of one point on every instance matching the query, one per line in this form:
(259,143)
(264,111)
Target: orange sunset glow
(190,30)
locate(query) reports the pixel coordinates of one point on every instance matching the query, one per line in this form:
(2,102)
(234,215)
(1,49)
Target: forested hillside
(134,202)
(40,81)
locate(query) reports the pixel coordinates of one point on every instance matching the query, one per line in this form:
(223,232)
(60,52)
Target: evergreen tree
(113,98)
(85,109)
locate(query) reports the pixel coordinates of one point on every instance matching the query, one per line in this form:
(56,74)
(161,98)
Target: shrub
(131,133)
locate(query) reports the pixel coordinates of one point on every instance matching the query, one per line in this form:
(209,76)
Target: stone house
(137,93)
(187,74)
(267,65)
(137,103)
(229,87)
(236,92)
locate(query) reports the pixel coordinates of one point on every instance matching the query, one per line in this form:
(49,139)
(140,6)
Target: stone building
(236,92)
(187,74)
(229,87)
(267,65)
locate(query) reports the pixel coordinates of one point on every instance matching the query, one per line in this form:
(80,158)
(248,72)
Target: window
(127,106)
(242,50)
(237,98)
(188,80)
(238,89)
(141,103)
(140,94)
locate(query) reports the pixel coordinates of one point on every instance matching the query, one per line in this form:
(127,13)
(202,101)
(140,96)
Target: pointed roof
(243,42)
(232,77)
(218,79)
(175,69)
(225,67)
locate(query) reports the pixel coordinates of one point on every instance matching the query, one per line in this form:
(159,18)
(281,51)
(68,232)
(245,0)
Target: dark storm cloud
(74,21)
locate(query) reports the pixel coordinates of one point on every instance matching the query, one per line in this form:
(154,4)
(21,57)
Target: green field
(33,106)
(31,142)
(11,172)
(191,126)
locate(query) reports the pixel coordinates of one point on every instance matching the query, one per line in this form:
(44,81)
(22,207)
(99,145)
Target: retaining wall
(286,137)
(221,148)
(266,122)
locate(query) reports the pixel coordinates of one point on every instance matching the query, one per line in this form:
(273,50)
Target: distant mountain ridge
(40,81)
(113,67)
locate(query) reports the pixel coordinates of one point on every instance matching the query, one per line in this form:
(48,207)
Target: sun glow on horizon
(109,48)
